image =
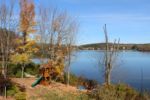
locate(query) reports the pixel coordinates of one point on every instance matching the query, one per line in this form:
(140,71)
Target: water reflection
(127,69)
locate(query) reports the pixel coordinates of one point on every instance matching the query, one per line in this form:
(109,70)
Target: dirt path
(30,91)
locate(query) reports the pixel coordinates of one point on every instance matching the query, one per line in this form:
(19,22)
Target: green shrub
(18,74)
(12,90)
(15,70)
(32,68)
(114,92)
(20,96)
(45,94)
(121,87)
(80,81)
(73,79)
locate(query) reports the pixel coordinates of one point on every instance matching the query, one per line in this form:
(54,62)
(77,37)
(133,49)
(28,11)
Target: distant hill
(101,46)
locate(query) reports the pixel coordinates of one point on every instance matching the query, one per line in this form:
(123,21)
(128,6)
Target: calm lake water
(128,68)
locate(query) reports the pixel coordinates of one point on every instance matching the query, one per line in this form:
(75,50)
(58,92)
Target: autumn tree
(111,53)
(27,19)
(43,35)
(64,28)
(57,30)
(70,40)
(26,46)
(7,28)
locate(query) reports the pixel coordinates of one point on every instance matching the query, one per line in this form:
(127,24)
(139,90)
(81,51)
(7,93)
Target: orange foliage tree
(26,44)
(27,16)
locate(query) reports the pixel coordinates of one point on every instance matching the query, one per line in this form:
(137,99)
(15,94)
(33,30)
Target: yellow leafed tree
(27,45)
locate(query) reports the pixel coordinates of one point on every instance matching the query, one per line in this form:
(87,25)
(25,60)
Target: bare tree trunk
(6,25)
(68,76)
(7,51)
(68,71)
(5,90)
(3,66)
(110,57)
(51,47)
(22,72)
(107,76)
(3,69)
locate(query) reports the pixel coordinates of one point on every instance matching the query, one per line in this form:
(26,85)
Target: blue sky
(128,20)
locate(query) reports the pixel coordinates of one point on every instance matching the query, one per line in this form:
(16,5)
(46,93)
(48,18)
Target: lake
(131,67)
